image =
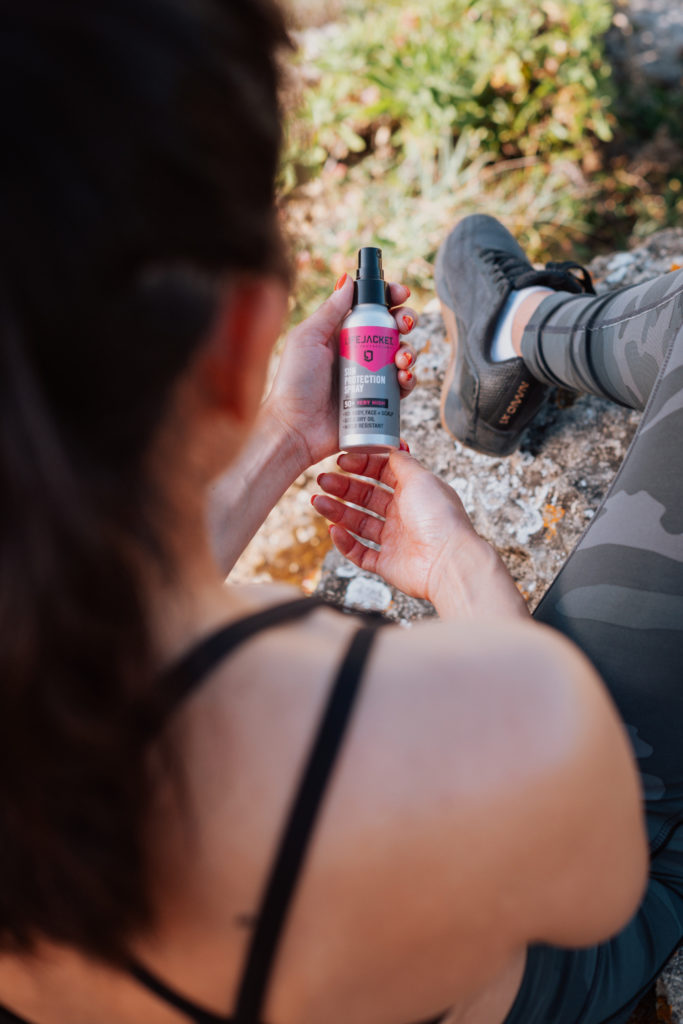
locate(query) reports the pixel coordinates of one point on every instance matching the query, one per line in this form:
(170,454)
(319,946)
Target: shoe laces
(562,276)
(509,265)
(575,270)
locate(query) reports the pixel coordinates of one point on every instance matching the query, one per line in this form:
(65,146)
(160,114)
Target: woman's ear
(235,359)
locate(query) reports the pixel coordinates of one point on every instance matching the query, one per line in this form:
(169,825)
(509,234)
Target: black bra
(179,683)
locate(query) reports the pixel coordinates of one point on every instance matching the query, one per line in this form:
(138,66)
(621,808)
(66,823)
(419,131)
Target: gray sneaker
(487,405)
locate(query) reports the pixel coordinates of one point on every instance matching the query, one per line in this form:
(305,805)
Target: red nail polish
(405,447)
(408,322)
(313,497)
(409,375)
(340,283)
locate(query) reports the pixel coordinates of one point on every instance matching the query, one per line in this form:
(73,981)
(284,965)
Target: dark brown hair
(140,141)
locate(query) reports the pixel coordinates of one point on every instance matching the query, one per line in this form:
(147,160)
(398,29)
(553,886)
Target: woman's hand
(304,397)
(428,547)
(297,425)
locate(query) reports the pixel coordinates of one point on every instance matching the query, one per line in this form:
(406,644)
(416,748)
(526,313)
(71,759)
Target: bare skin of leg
(519,322)
(523,316)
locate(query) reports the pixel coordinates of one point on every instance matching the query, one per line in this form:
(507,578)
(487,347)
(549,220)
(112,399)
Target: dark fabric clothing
(176,685)
(619,597)
(612,345)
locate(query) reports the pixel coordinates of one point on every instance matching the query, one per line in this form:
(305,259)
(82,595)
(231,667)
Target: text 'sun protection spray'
(368,379)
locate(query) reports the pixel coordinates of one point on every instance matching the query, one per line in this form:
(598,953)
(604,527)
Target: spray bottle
(368,379)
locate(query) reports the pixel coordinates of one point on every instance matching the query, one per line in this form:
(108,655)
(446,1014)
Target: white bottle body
(369,397)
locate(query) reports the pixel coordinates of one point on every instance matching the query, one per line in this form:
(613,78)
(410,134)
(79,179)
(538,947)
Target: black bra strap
(7,1017)
(182,678)
(195,1013)
(295,840)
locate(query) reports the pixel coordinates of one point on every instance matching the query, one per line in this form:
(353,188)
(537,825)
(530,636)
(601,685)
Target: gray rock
(670,989)
(367,593)
(646,42)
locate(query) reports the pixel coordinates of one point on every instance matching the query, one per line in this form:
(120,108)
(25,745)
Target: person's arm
(241,499)
(297,425)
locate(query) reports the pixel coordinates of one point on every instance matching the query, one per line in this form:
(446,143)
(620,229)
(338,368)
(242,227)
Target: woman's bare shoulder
(517,755)
(261,595)
(459,784)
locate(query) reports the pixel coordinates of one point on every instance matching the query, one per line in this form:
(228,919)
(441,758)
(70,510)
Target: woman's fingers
(347,520)
(405,363)
(363,524)
(375,466)
(399,293)
(405,318)
(405,357)
(358,492)
(406,382)
(349,547)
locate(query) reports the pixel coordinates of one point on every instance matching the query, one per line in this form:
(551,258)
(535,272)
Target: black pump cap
(369,285)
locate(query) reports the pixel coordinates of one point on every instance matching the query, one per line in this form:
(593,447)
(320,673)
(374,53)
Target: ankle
(523,315)
(503,344)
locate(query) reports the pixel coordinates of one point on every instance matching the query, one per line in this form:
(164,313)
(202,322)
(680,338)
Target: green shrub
(524,79)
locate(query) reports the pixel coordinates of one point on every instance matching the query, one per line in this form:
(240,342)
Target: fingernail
(340,283)
(409,375)
(407,289)
(408,322)
(404,447)
(313,497)
(408,358)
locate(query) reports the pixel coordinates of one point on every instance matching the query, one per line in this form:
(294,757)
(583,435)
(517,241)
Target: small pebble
(370,594)
(346,571)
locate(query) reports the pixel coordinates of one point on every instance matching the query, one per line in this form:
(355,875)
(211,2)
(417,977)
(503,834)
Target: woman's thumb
(329,316)
(404,466)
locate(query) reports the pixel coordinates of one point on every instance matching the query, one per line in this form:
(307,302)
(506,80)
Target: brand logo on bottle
(371,347)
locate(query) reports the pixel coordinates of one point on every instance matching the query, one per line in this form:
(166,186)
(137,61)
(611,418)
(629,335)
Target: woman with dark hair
(232,803)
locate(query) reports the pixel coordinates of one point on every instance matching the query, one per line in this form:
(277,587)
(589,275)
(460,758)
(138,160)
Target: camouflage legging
(620,598)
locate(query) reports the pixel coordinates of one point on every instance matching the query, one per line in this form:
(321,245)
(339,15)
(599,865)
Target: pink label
(371,347)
